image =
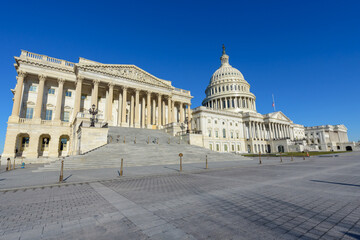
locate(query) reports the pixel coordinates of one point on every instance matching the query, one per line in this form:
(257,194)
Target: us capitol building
(52,98)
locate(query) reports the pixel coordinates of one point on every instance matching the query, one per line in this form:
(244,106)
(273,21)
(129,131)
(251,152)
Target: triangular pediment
(131,72)
(279,116)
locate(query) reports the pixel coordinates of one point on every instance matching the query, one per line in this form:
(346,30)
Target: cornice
(46,65)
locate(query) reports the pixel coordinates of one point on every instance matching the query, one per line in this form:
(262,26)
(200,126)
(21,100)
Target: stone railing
(182,91)
(44,58)
(24,120)
(43,122)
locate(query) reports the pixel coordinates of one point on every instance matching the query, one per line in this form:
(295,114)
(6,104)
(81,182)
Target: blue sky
(306,53)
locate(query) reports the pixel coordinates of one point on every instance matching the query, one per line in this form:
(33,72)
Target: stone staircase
(142,147)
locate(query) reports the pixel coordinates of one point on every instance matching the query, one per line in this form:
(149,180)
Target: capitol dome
(228,90)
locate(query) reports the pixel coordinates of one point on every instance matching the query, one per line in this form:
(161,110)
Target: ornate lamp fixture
(93,112)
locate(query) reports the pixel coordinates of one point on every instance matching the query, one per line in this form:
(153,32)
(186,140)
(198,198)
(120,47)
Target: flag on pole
(273,104)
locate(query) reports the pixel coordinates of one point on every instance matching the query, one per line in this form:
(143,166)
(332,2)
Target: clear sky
(306,53)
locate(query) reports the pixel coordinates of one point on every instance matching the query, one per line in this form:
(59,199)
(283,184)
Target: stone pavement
(312,199)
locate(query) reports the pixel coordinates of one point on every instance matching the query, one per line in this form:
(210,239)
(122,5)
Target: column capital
(22,74)
(111,85)
(79,79)
(61,80)
(96,81)
(42,77)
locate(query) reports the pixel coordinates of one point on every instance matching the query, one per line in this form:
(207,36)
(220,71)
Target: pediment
(67,108)
(131,72)
(279,116)
(29,103)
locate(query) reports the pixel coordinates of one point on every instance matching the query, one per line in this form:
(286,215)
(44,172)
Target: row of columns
(232,102)
(134,114)
(272,131)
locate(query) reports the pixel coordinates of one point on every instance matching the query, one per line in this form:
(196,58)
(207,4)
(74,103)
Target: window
(233,148)
(237,135)
(209,133)
(230,124)
(48,115)
(216,134)
(51,91)
(66,116)
(29,113)
(63,144)
(32,88)
(215,121)
(224,133)
(210,146)
(217,147)
(232,135)
(25,142)
(68,94)
(225,148)
(83,97)
(238,148)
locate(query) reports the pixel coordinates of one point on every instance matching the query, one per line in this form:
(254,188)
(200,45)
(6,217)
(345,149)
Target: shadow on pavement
(345,184)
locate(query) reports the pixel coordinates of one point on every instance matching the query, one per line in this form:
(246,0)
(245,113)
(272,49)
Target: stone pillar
(124,104)
(119,108)
(153,121)
(95,93)
(189,115)
(136,109)
(250,130)
(163,113)
(159,110)
(132,110)
(173,118)
(17,97)
(59,100)
(39,98)
(79,81)
(143,112)
(181,112)
(110,103)
(148,104)
(169,110)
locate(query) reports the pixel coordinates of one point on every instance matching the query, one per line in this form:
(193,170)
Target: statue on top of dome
(223,47)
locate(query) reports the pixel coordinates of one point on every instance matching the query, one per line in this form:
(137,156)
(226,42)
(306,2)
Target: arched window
(224,133)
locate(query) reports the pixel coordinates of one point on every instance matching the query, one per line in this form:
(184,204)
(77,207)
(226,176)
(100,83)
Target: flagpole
(273,103)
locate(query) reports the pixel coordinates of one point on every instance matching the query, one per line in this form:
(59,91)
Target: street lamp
(93,112)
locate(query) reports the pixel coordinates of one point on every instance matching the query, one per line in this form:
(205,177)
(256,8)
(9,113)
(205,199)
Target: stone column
(110,103)
(163,113)
(119,108)
(143,112)
(173,118)
(153,121)
(148,104)
(39,98)
(189,115)
(132,110)
(250,130)
(95,93)
(59,100)
(124,104)
(181,112)
(79,81)
(159,110)
(136,109)
(169,110)
(17,96)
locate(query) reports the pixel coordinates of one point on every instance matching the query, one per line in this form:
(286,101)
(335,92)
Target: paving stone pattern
(317,199)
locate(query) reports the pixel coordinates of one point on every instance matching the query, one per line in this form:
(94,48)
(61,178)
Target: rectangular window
(83,97)
(32,88)
(233,148)
(224,133)
(209,133)
(48,115)
(29,113)
(210,146)
(232,135)
(217,147)
(66,116)
(51,91)
(238,147)
(237,135)
(216,134)
(68,94)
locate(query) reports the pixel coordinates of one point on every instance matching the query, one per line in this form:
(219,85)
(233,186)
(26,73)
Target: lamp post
(93,112)
(187,124)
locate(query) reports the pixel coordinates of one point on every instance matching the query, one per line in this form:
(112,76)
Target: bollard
(304,156)
(292,158)
(124,139)
(135,140)
(61,178)
(121,167)
(206,164)
(157,141)
(8,167)
(259,157)
(280,158)
(180,155)
(14,164)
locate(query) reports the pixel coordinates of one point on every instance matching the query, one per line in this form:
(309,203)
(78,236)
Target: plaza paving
(318,198)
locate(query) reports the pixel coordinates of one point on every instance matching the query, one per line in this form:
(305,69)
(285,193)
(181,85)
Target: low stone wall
(91,138)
